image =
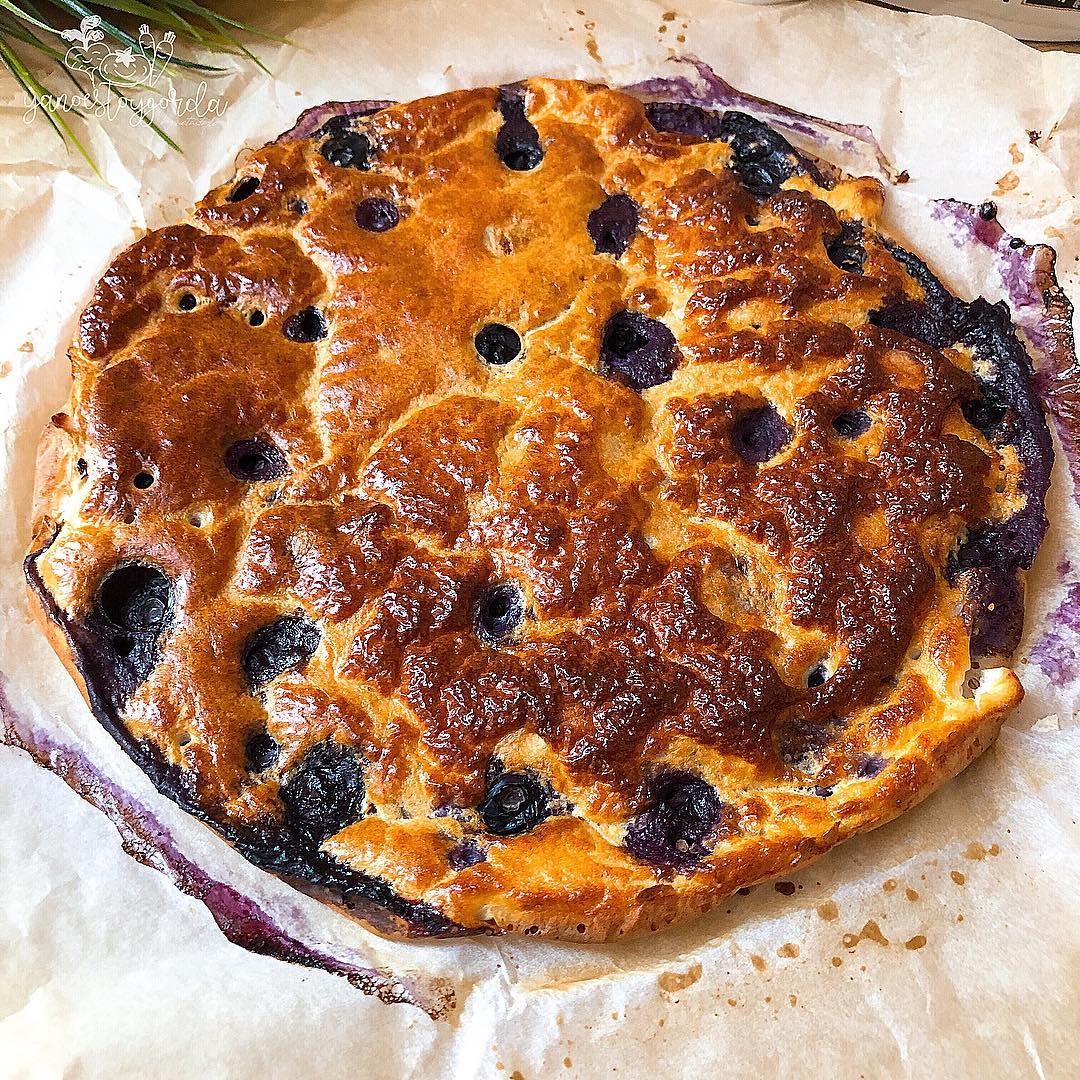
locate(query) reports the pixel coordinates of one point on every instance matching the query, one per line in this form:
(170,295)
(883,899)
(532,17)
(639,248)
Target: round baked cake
(537,509)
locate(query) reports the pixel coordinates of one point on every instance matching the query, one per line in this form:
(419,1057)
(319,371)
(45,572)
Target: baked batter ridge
(560,560)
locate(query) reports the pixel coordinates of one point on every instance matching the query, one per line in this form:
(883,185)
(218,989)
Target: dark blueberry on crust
(682,119)
(637,351)
(324,793)
(136,598)
(762,158)
(348,150)
(256,317)
(142,480)
(81,467)
(674,829)
(518,142)
(816,676)
(248,186)
(846,251)
(255,461)
(514,804)
(497,344)
(759,435)
(869,765)
(983,415)
(261,751)
(286,644)
(377,215)
(822,791)
(850,425)
(498,613)
(299,206)
(988,210)
(462,856)
(187,302)
(612,225)
(306,326)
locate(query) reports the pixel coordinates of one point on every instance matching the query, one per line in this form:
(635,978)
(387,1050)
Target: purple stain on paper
(313,120)
(1057,652)
(697,83)
(240,917)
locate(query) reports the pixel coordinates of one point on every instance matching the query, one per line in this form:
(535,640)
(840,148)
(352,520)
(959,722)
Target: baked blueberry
(462,856)
(348,150)
(612,225)
(255,460)
(869,765)
(497,344)
(498,612)
(983,415)
(852,424)
(256,317)
(136,598)
(244,188)
(261,751)
(286,644)
(638,351)
(187,302)
(673,831)
(683,119)
(518,142)
(306,326)
(846,250)
(515,803)
(817,676)
(377,215)
(324,793)
(760,157)
(759,435)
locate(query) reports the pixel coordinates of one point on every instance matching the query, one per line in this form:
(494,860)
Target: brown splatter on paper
(975,851)
(758,962)
(1007,183)
(828,910)
(957,877)
(911,894)
(870,932)
(917,942)
(671,982)
(1015,154)
(788,950)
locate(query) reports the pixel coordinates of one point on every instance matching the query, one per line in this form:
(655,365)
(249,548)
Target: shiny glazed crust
(750,557)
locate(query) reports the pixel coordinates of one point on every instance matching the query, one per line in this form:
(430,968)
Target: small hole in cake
(915,654)
(199,518)
(255,461)
(80,466)
(246,187)
(752,221)
(184,740)
(187,302)
(256,318)
(299,206)
(999,489)
(143,480)
(816,676)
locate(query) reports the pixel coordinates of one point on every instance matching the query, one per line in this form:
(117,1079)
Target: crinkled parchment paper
(944,943)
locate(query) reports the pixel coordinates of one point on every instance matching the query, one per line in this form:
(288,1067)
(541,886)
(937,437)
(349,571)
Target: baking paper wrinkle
(74,986)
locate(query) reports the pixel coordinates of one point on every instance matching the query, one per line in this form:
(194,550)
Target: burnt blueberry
(850,425)
(137,599)
(846,250)
(244,188)
(612,225)
(515,803)
(498,612)
(759,435)
(261,751)
(982,414)
(255,461)
(762,158)
(497,344)
(638,351)
(673,830)
(286,644)
(306,326)
(377,215)
(348,150)
(518,142)
(463,855)
(324,793)
(683,119)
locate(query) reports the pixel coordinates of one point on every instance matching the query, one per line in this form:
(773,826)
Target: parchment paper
(944,943)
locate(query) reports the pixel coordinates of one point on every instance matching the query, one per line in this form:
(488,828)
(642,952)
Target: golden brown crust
(681,589)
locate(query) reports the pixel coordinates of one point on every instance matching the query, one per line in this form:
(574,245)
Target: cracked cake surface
(534,509)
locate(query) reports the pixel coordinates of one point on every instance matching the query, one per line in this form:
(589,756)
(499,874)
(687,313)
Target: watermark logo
(135,79)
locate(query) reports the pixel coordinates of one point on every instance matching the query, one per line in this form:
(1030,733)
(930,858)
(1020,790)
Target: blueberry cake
(535,509)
